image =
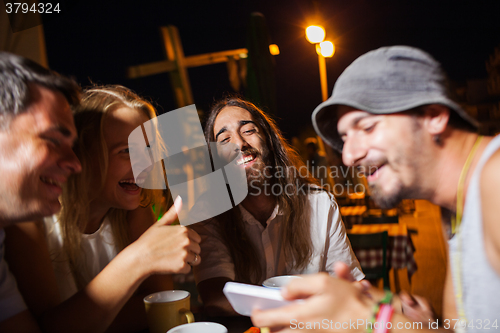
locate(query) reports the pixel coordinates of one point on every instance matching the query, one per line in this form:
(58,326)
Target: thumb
(407,299)
(171,215)
(305,287)
(343,272)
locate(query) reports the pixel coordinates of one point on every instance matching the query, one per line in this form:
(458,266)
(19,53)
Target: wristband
(387,299)
(384,316)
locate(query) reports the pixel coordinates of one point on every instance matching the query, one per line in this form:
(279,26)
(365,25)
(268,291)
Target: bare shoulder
(490,179)
(490,198)
(490,170)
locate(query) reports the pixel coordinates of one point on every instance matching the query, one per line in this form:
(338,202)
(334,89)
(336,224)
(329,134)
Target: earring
(437,139)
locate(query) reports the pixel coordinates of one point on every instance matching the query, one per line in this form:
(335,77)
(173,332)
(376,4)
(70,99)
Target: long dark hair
(295,231)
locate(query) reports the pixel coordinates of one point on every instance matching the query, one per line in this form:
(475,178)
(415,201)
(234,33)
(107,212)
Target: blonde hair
(97,102)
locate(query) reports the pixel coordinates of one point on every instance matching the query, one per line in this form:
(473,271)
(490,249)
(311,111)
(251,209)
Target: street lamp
(315,34)
(326,49)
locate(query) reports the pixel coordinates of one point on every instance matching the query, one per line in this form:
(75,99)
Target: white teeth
(128,181)
(50,181)
(245,159)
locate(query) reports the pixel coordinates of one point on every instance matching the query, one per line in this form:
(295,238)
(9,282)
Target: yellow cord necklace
(455,228)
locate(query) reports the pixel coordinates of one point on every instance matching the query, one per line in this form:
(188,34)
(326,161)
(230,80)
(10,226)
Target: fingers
(278,318)
(266,318)
(178,204)
(171,215)
(305,287)
(424,304)
(416,308)
(193,235)
(342,271)
(407,299)
(324,297)
(194,248)
(365,285)
(196,259)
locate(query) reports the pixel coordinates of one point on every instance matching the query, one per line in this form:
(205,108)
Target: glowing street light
(326,49)
(274,49)
(315,34)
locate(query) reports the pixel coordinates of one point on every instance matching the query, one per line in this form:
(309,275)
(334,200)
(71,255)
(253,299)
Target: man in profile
(286,224)
(391,115)
(36,157)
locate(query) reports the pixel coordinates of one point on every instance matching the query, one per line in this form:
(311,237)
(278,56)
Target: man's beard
(259,174)
(400,191)
(384,200)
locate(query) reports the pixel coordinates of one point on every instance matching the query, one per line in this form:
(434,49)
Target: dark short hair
(16,73)
(455,120)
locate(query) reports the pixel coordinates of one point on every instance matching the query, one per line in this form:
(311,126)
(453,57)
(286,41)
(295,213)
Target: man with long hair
(287,224)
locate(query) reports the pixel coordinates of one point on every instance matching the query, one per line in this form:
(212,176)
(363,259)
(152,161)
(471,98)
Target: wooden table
(400,248)
(393,229)
(236,324)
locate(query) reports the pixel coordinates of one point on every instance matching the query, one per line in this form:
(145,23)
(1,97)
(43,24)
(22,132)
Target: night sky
(97,40)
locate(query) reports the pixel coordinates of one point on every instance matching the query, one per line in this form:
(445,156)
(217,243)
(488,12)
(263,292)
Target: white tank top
(480,282)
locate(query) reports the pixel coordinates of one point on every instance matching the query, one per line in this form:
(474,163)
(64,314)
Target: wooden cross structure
(177,64)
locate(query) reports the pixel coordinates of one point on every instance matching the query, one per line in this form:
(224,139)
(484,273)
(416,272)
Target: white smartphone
(246,297)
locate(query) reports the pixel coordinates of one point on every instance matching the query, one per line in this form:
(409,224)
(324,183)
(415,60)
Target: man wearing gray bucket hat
(392,117)
(386,81)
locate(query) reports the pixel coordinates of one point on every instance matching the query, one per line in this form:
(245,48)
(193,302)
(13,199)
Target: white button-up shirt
(329,239)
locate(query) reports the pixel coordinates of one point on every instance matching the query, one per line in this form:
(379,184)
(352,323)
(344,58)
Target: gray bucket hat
(383,81)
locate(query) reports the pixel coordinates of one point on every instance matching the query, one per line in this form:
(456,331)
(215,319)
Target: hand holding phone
(245,297)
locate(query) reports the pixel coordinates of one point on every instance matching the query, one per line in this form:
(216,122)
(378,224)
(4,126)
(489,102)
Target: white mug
(278,282)
(200,327)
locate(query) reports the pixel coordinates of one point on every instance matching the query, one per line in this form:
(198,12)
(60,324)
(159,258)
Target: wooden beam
(178,77)
(189,62)
(152,68)
(214,57)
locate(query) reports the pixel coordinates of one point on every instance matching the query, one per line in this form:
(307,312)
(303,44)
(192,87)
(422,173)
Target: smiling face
(388,149)
(236,126)
(119,189)
(37,157)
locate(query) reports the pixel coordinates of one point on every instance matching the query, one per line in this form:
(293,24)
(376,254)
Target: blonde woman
(104,245)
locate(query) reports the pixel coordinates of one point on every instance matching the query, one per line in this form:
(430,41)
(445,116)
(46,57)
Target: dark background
(95,41)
